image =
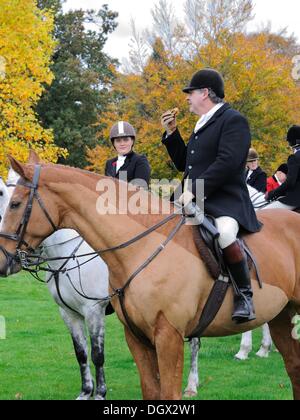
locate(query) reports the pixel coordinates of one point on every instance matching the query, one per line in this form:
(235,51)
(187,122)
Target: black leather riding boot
(237,264)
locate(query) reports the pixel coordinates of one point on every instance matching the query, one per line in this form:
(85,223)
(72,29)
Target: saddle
(210,251)
(206,239)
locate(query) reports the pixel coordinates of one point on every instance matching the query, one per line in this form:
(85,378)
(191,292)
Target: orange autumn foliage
(258,83)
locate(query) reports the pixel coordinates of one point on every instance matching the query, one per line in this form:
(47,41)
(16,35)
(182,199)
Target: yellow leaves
(98,157)
(26,47)
(258,84)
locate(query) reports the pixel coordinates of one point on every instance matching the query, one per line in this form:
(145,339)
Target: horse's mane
(95,178)
(90,181)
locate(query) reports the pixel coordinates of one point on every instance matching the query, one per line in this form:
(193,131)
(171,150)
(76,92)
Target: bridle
(21,255)
(21,231)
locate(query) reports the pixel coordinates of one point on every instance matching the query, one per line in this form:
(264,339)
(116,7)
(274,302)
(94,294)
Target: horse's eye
(15,206)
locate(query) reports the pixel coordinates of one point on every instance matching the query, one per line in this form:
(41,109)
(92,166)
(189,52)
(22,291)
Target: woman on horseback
(128,165)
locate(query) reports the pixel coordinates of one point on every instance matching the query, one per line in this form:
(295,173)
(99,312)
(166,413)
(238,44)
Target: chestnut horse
(166,299)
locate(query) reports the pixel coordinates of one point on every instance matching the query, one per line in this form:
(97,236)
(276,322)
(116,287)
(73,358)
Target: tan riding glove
(186,198)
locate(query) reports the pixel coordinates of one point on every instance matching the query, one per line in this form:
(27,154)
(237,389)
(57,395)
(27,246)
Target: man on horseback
(287,196)
(217,152)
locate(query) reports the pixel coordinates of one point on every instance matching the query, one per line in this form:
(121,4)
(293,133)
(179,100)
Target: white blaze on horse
(158,303)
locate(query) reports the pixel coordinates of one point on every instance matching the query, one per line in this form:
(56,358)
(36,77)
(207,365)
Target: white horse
(90,280)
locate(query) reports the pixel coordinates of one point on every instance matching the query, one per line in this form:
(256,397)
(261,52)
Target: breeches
(228,229)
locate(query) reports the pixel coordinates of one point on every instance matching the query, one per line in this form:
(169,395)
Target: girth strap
(212,307)
(135,330)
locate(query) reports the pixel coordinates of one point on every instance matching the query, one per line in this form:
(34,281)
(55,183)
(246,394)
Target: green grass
(37,360)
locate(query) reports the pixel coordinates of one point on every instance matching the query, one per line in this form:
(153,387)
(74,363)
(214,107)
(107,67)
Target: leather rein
(23,256)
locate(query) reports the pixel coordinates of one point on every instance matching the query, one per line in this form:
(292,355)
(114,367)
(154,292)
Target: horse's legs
(193,381)
(76,327)
(281,330)
(146,362)
(246,346)
(169,348)
(96,325)
(266,344)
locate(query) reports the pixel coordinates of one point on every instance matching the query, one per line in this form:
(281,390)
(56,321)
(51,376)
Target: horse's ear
(17,167)
(33,157)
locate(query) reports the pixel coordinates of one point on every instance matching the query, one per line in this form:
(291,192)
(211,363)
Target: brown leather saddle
(206,240)
(210,251)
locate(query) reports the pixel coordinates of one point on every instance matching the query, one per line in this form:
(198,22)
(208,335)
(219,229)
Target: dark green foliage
(83,76)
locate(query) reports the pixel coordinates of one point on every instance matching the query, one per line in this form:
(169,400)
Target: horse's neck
(60,236)
(101,231)
(64,243)
(61,243)
(91,277)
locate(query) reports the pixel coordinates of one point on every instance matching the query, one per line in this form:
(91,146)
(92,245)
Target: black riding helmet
(207,78)
(293,136)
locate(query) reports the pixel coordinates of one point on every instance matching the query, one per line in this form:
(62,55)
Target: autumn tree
(26,47)
(258,84)
(83,75)
(138,51)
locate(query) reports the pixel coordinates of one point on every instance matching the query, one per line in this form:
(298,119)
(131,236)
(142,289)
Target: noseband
(21,231)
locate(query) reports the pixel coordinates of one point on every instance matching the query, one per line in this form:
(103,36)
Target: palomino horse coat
(73,294)
(167,298)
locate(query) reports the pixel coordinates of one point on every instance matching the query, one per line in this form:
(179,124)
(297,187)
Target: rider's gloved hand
(186,198)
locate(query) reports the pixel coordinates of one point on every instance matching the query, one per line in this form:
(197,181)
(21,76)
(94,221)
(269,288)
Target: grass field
(37,360)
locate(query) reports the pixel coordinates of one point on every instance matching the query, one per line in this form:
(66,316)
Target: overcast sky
(280,13)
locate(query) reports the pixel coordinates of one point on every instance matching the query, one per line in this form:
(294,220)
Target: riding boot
(238,266)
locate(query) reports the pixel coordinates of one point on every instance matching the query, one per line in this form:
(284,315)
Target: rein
(24,257)
(124,245)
